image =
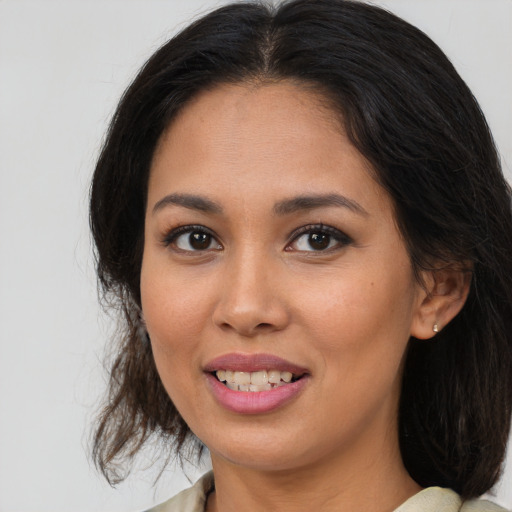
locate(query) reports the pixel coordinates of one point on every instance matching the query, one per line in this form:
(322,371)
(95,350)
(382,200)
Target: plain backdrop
(63,66)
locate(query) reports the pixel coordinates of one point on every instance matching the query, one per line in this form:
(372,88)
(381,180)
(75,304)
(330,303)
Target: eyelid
(342,238)
(172,234)
(337,234)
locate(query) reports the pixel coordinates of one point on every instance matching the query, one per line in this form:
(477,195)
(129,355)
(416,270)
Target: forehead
(277,138)
(230,114)
(247,99)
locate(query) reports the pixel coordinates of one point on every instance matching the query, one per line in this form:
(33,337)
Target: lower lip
(255,402)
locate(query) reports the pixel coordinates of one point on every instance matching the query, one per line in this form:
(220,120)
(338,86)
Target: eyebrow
(286,207)
(190,201)
(310,202)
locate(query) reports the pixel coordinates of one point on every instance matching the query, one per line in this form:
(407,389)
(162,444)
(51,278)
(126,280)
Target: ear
(443,296)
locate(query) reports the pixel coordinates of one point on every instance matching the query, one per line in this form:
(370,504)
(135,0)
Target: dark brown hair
(410,114)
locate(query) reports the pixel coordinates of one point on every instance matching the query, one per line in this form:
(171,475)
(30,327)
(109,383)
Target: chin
(263,452)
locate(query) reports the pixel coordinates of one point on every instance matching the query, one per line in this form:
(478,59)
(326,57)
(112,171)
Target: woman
(302,215)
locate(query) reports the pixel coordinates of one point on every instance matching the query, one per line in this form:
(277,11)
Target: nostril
(263,325)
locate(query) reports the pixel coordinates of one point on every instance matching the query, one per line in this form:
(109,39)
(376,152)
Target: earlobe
(444,295)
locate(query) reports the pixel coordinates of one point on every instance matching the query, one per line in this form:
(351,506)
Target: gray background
(63,66)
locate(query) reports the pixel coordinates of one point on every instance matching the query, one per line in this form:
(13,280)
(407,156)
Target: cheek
(362,320)
(174,318)
(360,304)
(172,301)
(173,327)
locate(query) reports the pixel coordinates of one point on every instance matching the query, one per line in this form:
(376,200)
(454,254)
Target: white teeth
(274,376)
(259,378)
(286,376)
(263,387)
(242,378)
(262,380)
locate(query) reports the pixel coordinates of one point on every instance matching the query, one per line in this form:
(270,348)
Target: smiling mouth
(262,380)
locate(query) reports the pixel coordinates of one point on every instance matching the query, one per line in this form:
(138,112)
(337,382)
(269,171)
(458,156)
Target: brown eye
(319,241)
(319,238)
(199,241)
(192,239)
(315,241)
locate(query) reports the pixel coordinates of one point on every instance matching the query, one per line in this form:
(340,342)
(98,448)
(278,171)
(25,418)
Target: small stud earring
(435,328)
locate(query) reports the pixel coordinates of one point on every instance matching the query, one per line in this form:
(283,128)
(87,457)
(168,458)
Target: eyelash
(311,229)
(172,236)
(320,229)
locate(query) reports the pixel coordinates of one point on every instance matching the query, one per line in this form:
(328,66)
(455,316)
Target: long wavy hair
(410,114)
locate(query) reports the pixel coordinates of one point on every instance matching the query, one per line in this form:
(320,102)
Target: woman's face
(270,250)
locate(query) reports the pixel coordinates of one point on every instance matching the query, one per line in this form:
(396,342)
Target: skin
(345,312)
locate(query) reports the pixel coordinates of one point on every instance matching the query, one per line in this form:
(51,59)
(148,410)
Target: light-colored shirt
(432,499)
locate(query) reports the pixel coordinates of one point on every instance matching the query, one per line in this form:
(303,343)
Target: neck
(354,480)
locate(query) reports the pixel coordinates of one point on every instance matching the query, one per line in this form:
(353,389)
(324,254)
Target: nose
(250,303)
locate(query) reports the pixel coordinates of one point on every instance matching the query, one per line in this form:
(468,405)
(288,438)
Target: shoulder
(437,499)
(481,506)
(192,499)
(432,499)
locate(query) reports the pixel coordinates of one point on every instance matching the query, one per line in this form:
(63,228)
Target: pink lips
(257,402)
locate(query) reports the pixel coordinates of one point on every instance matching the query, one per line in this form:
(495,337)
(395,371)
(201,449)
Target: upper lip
(253,363)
